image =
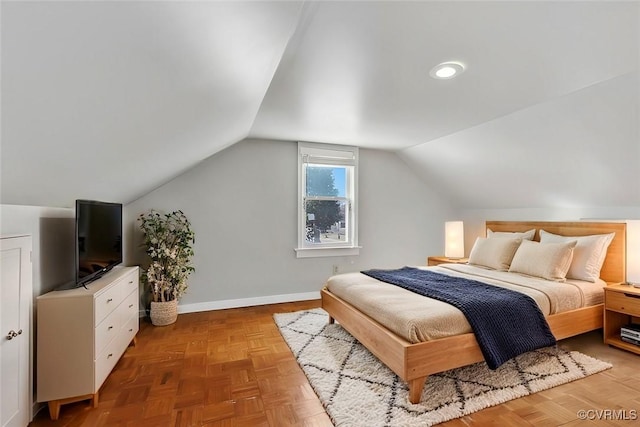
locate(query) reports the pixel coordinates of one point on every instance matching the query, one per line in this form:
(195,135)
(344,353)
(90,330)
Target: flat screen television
(98,239)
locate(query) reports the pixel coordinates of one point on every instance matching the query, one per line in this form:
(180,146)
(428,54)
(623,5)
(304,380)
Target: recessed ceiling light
(446,70)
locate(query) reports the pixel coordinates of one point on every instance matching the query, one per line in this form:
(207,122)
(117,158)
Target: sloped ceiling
(359,72)
(578,150)
(108,100)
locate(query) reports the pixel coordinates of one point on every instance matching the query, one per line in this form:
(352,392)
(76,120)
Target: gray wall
(242,204)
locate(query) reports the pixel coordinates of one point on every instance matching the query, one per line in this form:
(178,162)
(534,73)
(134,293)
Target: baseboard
(246,302)
(243,302)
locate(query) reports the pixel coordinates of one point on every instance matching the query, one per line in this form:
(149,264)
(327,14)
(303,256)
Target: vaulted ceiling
(108,100)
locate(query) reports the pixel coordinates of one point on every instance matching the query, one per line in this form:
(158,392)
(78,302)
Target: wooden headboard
(614,267)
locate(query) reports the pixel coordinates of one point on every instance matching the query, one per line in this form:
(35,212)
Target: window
(327,200)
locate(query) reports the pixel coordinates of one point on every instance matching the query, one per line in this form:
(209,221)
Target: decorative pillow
(588,255)
(494,253)
(525,235)
(550,261)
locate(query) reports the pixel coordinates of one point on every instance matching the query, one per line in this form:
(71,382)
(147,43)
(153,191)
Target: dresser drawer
(110,327)
(129,306)
(623,302)
(107,330)
(107,301)
(105,362)
(130,328)
(131,282)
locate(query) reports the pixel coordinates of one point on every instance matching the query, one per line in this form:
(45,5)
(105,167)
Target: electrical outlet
(335,268)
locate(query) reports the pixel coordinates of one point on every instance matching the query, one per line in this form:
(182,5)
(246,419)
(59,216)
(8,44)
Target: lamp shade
(633,252)
(454,239)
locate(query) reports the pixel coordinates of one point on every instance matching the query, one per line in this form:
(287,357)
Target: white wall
(52,232)
(242,204)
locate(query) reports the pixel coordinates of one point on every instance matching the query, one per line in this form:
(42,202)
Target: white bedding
(418,318)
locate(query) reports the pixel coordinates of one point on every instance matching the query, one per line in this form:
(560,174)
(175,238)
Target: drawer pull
(632,296)
(130,305)
(109,300)
(109,328)
(131,330)
(109,355)
(130,282)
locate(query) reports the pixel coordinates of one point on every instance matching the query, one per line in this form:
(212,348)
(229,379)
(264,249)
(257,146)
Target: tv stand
(82,333)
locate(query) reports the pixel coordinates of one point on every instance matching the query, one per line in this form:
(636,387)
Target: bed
(413,362)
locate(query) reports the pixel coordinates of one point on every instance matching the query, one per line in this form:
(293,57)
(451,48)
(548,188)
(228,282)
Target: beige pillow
(525,235)
(588,255)
(493,253)
(550,261)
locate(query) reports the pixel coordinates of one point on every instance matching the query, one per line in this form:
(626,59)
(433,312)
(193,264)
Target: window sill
(327,251)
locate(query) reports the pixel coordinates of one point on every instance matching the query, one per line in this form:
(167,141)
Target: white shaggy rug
(358,390)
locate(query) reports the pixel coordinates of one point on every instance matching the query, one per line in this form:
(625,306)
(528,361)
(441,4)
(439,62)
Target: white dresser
(82,333)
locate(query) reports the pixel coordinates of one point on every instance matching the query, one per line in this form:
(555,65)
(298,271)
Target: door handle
(12,334)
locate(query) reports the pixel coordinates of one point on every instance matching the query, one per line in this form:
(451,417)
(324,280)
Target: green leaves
(168,239)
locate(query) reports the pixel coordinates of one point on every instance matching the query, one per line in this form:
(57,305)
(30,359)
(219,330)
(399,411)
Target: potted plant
(168,240)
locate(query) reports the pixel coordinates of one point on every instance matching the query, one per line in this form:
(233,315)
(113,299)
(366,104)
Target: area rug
(358,390)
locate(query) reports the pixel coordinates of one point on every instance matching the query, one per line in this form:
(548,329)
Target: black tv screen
(98,239)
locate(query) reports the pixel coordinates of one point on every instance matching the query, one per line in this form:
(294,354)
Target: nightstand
(621,307)
(437,260)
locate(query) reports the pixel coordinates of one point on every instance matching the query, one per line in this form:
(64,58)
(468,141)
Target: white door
(15,331)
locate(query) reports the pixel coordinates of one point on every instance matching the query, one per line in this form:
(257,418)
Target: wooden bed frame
(415,362)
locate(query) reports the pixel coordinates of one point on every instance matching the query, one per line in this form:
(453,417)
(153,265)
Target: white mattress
(418,318)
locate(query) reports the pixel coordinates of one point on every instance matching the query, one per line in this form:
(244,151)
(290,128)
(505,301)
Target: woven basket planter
(164,313)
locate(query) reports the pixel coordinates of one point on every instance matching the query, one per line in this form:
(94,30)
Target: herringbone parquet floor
(232,368)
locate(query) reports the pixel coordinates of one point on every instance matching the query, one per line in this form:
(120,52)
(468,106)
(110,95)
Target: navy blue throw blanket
(506,323)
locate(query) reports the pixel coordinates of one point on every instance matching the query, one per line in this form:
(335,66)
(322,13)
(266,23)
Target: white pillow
(550,261)
(525,235)
(494,253)
(588,255)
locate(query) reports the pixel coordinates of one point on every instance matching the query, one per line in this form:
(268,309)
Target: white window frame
(328,154)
